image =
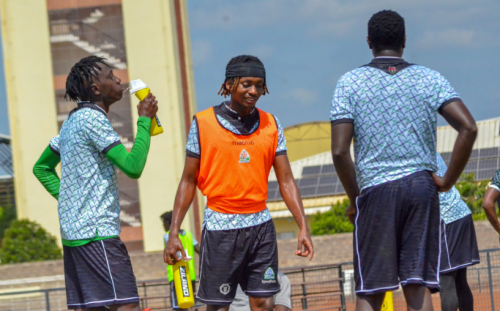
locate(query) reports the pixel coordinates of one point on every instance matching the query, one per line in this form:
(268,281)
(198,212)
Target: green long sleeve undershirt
(132,164)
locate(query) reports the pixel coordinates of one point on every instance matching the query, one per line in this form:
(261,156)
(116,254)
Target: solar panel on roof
(488,163)
(308,182)
(488,152)
(307,192)
(486,174)
(340,189)
(311,170)
(326,180)
(474,154)
(272,186)
(326,190)
(471,165)
(327,169)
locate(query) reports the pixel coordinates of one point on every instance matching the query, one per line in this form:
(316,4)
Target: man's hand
(351,213)
(306,242)
(441,184)
(174,245)
(148,107)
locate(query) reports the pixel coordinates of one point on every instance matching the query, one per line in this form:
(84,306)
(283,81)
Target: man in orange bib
(230,151)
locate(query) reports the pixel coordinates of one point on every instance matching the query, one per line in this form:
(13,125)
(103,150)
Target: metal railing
(483,279)
(313,288)
(326,287)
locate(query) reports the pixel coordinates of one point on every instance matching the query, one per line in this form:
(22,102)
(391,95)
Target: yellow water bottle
(182,282)
(141,90)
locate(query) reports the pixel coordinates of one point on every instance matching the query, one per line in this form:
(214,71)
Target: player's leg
(261,303)
(418,297)
(126,307)
(221,262)
(464,293)
(369,302)
(217,308)
(260,275)
(420,256)
(376,241)
(448,291)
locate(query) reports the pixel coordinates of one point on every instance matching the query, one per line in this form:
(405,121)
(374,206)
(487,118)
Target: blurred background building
(146,40)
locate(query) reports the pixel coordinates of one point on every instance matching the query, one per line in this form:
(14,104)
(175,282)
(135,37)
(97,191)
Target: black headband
(255,70)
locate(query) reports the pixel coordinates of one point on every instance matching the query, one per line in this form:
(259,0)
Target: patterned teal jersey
(88,199)
(495,183)
(394,118)
(451,204)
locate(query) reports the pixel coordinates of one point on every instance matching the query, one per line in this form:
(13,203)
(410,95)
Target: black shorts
(99,274)
(173,296)
(248,257)
(396,237)
(458,245)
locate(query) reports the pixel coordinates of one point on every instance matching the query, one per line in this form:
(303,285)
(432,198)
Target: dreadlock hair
(386,30)
(236,81)
(81,77)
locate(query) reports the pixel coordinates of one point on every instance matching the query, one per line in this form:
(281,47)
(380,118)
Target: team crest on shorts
(244,156)
(224,289)
(392,70)
(269,274)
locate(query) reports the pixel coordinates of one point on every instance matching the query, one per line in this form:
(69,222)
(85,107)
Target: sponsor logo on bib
(244,156)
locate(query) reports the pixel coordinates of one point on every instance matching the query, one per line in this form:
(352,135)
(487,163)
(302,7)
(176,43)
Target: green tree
(27,241)
(472,192)
(332,221)
(8,215)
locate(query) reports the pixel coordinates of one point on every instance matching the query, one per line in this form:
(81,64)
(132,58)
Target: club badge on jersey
(244,156)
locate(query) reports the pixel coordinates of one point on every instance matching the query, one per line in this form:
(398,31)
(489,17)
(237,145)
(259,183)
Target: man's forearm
(459,117)
(347,175)
(460,155)
(133,163)
(183,199)
(492,218)
(291,196)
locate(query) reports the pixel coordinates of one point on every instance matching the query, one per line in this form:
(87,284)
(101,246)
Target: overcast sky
(307,45)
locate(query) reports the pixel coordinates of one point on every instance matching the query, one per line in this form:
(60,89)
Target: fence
(313,288)
(483,278)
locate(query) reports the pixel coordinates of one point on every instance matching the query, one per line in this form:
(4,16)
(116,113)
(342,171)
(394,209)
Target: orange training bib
(234,169)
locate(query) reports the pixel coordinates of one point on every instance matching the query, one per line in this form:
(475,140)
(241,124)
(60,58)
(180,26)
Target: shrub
(332,221)
(26,241)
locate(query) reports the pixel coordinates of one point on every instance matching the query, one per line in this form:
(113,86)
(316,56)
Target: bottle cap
(137,85)
(179,256)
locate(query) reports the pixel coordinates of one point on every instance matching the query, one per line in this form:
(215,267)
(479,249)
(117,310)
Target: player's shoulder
(424,71)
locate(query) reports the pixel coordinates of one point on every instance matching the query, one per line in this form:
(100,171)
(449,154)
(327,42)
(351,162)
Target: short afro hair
(386,31)
(167,216)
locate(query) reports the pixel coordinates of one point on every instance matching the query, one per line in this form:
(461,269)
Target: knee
(262,304)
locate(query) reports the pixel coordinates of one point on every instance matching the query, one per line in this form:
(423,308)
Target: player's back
(393,111)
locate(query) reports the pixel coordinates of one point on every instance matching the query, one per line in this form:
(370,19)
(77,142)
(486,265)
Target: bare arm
(342,135)
(489,207)
(291,196)
(459,117)
(183,199)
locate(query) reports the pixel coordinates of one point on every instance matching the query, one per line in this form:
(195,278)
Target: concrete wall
(152,56)
(147,266)
(30,102)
